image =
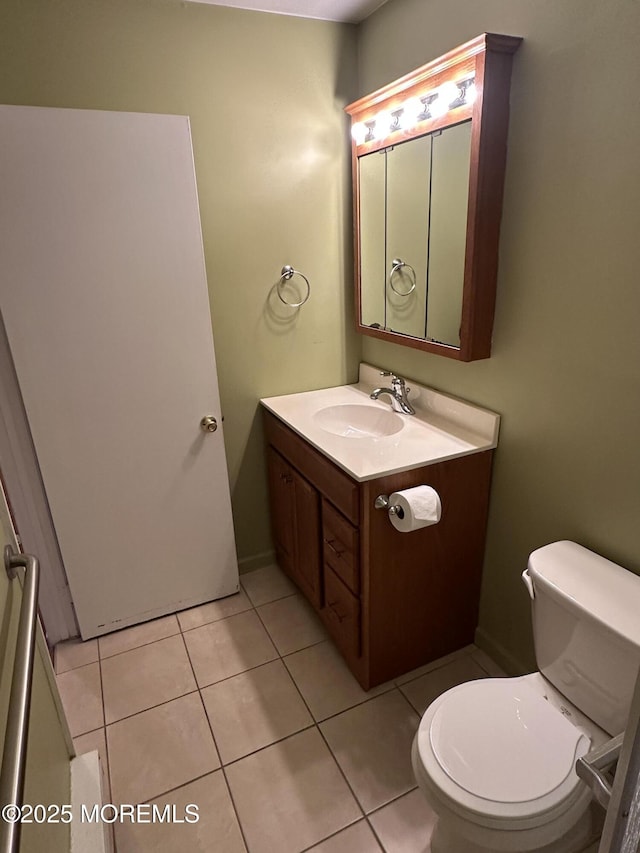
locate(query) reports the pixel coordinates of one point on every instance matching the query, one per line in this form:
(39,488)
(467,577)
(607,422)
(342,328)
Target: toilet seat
(497,752)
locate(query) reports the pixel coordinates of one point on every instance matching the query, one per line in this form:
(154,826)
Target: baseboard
(258,561)
(496,651)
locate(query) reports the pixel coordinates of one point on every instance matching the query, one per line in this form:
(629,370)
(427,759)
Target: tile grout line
(197,689)
(215,743)
(100,660)
(254,607)
(384,806)
(151,707)
(202,775)
(177,787)
(76,668)
(375,834)
(343,829)
(182,631)
(317,727)
(111,830)
(461,655)
(294,651)
(394,686)
(393,682)
(365,815)
(140,646)
(368,699)
(314,724)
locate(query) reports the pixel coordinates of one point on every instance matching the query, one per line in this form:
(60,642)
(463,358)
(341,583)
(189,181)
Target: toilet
(495,758)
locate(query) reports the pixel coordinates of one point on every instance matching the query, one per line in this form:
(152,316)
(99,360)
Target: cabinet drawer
(330,481)
(340,547)
(341,615)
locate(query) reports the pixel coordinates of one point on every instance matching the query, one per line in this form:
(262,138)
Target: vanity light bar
(434,104)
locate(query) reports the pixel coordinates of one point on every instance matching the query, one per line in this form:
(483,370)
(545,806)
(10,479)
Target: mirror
(413,222)
(429,153)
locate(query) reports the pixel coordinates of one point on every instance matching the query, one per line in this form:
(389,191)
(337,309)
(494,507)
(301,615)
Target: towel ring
(397,265)
(287,273)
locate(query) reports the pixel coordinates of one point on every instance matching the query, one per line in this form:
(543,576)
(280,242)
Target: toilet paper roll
(418,507)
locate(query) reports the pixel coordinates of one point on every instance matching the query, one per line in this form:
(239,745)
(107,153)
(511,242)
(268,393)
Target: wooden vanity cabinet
(390,601)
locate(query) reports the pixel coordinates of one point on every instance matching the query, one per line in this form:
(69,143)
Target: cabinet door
(295,525)
(308,564)
(281,489)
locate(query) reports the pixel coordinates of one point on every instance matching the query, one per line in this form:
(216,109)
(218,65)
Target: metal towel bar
(14,755)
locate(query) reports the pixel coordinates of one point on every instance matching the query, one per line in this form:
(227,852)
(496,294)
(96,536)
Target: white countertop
(443,427)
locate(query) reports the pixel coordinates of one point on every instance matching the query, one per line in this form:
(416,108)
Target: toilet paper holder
(382,502)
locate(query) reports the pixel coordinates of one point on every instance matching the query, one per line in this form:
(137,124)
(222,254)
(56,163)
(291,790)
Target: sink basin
(358,421)
(328,418)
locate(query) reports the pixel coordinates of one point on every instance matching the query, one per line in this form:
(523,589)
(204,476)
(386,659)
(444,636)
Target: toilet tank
(586,629)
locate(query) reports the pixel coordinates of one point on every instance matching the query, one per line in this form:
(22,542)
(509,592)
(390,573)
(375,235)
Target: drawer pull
(330,542)
(332,607)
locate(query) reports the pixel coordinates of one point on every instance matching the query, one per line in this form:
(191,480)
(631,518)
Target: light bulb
(448,93)
(359,132)
(471,94)
(383,125)
(411,109)
(438,107)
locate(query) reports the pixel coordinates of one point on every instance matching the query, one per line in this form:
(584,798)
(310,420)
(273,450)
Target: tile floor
(243,707)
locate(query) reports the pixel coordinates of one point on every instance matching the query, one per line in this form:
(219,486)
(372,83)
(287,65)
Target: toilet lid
(500,740)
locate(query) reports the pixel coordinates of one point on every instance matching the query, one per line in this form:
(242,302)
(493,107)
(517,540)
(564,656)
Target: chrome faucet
(397,392)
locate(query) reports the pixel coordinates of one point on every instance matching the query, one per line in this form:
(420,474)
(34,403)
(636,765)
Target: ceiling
(346,11)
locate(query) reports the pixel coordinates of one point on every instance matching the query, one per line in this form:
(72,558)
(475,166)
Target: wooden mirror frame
(489,57)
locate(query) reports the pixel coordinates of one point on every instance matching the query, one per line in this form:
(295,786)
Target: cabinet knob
(330,542)
(332,607)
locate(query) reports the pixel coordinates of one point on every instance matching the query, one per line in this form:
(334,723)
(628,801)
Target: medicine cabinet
(429,155)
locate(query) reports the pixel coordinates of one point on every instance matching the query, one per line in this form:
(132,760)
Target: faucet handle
(395,379)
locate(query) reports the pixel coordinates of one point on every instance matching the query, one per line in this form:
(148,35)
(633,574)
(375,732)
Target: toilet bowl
(496,757)
(487,777)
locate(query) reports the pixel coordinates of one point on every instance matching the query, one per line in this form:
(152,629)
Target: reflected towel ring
(287,273)
(397,265)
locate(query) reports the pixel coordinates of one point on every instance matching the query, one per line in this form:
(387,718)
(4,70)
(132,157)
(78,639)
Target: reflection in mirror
(429,154)
(373,170)
(408,179)
(448,232)
(413,203)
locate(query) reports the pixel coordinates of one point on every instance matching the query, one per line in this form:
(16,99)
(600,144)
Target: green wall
(565,369)
(265,94)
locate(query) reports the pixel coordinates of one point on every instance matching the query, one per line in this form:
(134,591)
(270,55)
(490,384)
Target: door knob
(208,424)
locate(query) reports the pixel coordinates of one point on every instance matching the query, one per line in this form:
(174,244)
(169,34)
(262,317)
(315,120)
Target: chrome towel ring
(287,273)
(396,266)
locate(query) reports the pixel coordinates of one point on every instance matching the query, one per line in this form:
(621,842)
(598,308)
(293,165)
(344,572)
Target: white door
(104,299)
